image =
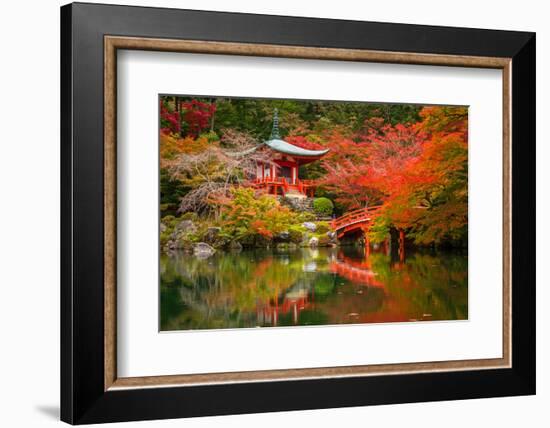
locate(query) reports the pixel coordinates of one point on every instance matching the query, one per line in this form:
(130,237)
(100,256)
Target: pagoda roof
(292,150)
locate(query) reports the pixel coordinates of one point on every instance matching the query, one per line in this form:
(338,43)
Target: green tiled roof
(279,145)
(290,149)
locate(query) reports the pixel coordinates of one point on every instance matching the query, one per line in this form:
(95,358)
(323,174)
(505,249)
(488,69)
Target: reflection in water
(263,288)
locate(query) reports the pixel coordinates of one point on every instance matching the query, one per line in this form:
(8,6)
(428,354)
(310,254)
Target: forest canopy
(409,160)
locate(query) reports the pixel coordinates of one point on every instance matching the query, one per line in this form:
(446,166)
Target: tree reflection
(310,287)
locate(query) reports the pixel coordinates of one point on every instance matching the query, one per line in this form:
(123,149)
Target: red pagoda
(281,177)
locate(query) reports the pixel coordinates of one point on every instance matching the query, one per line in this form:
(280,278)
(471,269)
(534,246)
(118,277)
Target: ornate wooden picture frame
(91,390)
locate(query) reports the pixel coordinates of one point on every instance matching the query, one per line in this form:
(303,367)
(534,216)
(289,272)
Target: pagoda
(280,177)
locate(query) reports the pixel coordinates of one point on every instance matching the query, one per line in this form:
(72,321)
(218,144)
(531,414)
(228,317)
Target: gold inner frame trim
(113,43)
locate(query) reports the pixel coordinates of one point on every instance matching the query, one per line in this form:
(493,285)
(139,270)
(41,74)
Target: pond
(345,285)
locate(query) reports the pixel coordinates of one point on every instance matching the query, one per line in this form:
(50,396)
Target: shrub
(211,136)
(164,238)
(322,227)
(323,206)
(306,216)
(189,216)
(247,214)
(169,221)
(296,233)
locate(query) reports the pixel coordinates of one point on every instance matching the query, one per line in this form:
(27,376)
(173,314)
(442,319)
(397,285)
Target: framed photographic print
(309,228)
(265,213)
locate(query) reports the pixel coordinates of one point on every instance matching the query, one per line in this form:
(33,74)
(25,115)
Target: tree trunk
(213,116)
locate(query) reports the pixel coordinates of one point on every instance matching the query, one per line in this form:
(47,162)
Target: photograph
(288,212)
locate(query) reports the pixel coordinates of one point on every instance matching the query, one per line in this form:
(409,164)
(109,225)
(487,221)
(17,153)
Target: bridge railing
(354,217)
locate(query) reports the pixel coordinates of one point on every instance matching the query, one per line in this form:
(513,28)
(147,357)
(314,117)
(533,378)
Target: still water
(265,288)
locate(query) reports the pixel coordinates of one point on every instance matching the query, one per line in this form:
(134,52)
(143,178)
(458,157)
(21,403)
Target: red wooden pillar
(401,245)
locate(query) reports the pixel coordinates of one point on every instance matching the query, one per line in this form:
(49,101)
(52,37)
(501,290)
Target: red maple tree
(197,115)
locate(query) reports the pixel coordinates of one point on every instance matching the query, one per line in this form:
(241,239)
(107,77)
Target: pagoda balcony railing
(272,181)
(302,186)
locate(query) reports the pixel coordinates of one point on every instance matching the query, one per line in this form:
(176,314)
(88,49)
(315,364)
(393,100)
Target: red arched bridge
(353,221)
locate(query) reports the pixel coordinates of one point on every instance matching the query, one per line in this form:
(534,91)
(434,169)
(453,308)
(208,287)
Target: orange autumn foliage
(171,146)
(418,173)
(430,195)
